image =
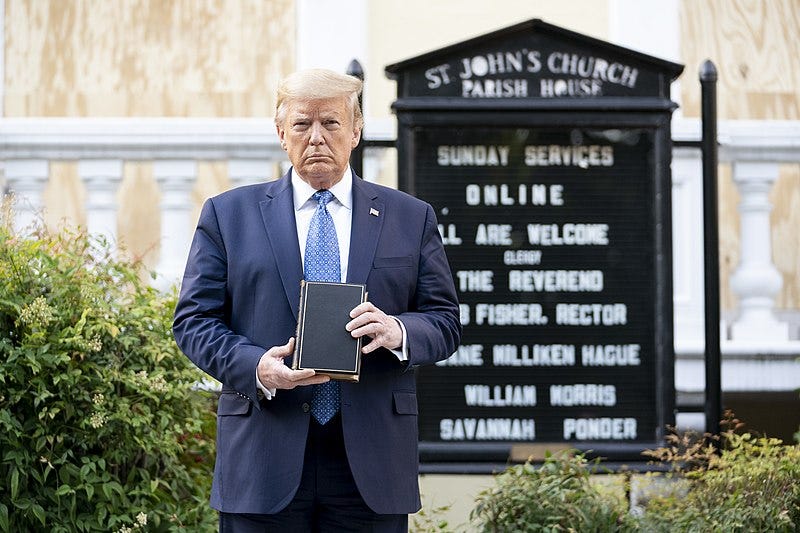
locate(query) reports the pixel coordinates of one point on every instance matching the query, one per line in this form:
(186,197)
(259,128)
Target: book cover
(322,343)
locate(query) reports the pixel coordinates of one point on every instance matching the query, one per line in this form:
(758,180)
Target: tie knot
(323,197)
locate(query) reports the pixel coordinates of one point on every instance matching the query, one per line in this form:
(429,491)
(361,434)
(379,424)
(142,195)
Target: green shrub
(100,428)
(555,496)
(727,483)
(752,484)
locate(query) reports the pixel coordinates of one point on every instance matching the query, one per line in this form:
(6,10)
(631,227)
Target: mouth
(317,157)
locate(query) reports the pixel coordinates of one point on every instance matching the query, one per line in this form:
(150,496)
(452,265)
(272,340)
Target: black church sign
(546,156)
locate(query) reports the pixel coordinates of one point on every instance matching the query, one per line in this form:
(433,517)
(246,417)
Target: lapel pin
(374,212)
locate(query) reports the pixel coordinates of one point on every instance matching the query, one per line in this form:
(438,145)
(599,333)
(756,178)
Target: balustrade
(253,154)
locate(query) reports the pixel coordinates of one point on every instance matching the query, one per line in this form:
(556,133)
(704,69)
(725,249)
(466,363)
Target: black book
(322,343)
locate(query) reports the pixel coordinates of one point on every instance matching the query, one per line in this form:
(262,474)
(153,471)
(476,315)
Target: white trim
(37,137)
(775,141)
(331,34)
(739,375)
(651,27)
(113,131)
(2,58)
(149,138)
(747,140)
(648,26)
(138,138)
(687,245)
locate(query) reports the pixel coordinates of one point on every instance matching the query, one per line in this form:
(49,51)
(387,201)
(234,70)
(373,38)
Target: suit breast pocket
(393,262)
(392,282)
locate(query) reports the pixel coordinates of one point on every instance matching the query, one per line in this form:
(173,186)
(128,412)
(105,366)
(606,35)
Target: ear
(281,135)
(356,138)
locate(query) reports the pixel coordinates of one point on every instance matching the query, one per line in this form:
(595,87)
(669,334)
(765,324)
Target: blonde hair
(316,84)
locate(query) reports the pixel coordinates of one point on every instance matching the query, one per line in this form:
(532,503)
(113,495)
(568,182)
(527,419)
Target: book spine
(298,335)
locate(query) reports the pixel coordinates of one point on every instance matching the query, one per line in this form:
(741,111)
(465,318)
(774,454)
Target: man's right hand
(274,374)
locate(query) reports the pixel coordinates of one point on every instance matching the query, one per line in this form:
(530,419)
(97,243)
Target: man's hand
(370,321)
(273,374)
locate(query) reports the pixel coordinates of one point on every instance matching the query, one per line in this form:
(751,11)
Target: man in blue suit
(280,466)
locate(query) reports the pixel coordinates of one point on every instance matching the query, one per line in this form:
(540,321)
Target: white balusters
(175,178)
(249,171)
(102,178)
(26,179)
(756,281)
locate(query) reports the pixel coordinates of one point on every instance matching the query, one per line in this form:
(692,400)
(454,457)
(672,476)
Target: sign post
(546,157)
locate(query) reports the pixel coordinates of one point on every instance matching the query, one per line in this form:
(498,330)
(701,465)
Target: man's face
(318,136)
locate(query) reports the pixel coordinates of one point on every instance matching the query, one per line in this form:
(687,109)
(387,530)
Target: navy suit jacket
(239,297)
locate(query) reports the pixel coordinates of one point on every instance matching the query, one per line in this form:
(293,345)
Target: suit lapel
(368,216)
(278,214)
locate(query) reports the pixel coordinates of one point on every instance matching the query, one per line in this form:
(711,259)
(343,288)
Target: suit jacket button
(306,407)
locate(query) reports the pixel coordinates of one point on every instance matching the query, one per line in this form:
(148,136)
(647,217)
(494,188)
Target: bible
(322,343)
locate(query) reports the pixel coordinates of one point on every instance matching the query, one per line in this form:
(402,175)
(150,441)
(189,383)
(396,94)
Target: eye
(332,124)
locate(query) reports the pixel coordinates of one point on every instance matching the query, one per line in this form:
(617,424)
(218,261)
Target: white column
(2,58)
(249,171)
(687,250)
(175,178)
(756,280)
(102,178)
(26,179)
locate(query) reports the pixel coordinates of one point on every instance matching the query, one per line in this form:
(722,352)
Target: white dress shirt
(340,208)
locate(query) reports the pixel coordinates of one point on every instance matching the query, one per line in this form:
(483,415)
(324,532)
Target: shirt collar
(342,191)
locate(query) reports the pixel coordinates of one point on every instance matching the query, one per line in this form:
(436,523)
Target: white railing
(755,150)
(759,353)
(101,146)
(252,152)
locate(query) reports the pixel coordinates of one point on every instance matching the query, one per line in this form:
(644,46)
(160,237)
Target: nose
(317,136)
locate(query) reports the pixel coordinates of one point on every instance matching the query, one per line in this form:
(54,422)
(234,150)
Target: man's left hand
(381,328)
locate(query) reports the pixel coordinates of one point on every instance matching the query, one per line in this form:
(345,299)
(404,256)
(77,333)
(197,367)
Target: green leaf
(82,322)
(63,489)
(14,484)
(4,517)
(107,490)
(38,512)
(22,504)
(47,471)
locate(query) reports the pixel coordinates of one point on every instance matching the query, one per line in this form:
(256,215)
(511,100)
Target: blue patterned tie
(322,264)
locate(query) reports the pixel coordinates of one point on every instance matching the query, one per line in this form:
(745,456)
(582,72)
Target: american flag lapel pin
(374,212)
